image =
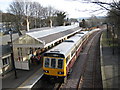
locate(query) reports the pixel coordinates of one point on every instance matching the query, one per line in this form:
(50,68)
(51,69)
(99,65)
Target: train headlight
(60,72)
(46,71)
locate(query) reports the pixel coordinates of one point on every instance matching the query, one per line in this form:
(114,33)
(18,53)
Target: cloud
(74,8)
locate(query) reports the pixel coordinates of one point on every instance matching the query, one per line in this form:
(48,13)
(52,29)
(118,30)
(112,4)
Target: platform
(109,64)
(31,81)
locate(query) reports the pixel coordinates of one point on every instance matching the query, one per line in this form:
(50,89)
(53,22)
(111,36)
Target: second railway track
(88,77)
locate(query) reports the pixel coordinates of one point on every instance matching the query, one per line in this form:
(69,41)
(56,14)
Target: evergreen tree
(60,18)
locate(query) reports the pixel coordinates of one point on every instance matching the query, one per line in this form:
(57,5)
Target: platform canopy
(45,36)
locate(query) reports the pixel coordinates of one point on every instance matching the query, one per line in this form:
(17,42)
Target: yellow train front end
(54,66)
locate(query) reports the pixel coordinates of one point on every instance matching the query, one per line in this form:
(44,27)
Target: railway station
(83,78)
(64,44)
(37,41)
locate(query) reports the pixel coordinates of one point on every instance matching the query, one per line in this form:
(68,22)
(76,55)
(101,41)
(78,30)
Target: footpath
(109,62)
(10,82)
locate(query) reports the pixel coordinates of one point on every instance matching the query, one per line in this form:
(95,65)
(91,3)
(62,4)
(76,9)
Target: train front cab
(54,67)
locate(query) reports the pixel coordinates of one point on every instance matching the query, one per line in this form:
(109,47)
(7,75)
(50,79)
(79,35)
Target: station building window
(31,51)
(5,61)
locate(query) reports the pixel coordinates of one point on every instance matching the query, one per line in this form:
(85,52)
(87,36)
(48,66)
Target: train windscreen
(53,63)
(47,61)
(60,63)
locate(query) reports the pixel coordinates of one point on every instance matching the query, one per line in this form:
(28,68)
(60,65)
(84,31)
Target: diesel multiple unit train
(58,61)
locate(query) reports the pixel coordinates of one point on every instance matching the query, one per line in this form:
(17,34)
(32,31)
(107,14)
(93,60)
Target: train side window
(77,46)
(53,63)
(80,42)
(60,63)
(68,58)
(47,60)
(73,51)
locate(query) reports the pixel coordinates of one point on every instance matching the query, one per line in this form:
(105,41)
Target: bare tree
(35,12)
(94,21)
(31,14)
(27,13)
(16,8)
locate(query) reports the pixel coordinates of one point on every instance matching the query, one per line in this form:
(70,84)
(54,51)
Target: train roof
(81,34)
(73,38)
(66,46)
(63,48)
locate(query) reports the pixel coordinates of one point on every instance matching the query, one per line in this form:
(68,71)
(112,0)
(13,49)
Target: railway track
(88,76)
(45,83)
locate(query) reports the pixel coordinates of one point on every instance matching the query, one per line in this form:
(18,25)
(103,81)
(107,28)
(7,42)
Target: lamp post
(12,56)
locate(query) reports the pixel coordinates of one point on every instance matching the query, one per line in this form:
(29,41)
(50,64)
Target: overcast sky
(74,9)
